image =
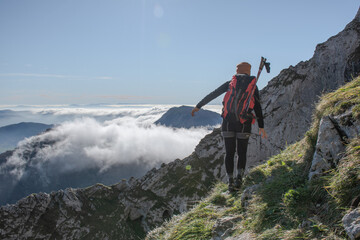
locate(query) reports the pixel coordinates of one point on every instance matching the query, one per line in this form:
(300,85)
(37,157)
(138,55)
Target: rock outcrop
(334,132)
(351,223)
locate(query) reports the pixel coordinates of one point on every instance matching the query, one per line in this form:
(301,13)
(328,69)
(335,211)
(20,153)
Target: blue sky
(152,51)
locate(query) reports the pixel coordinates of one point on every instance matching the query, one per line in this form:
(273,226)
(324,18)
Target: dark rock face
(353,65)
(180,117)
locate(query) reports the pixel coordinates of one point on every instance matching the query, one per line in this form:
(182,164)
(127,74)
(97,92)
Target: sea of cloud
(59,114)
(100,138)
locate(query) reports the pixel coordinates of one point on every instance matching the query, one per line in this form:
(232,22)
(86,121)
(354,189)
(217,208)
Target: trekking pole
(262,64)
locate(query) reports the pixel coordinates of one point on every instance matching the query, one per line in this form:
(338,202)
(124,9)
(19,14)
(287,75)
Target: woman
(236,131)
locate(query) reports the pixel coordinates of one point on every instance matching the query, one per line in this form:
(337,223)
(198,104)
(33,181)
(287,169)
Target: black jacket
(224,88)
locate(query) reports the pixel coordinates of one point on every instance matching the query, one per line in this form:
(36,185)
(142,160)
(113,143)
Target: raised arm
(211,96)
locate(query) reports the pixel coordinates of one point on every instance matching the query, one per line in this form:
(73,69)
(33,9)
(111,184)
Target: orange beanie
(243,68)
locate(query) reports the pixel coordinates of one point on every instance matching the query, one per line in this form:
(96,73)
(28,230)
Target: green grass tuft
(344,182)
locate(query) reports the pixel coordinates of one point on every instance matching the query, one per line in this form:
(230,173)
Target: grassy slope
(285,205)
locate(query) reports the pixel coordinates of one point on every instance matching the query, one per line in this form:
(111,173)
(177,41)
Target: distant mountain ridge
(10,135)
(180,117)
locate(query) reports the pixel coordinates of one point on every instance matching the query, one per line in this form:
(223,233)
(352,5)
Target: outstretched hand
(195,109)
(262,133)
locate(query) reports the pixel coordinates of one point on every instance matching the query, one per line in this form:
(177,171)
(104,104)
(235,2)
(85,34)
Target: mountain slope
(180,117)
(10,135)
(277,200)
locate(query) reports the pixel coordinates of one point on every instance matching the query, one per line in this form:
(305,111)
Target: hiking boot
(231,185)
(238,183)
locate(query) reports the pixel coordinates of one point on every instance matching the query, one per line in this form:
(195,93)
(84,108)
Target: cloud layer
(86,143)
(88,146)
(60,114)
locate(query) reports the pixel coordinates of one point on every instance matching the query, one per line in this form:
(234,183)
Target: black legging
(233,144)
(230,147)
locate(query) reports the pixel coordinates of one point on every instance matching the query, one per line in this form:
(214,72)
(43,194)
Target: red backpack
(236,103)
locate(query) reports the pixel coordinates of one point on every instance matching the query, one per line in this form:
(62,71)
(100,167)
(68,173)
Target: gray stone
(348,124)
(123,185)
(351,222)
(334,133)
(248,194)
(224,227)
(328,150)
(71,200)
(135,214)
(243,236)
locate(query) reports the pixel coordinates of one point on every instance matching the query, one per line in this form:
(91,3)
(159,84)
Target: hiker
(236,131)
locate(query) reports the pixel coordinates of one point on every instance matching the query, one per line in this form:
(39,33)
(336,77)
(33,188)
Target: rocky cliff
(289,99)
